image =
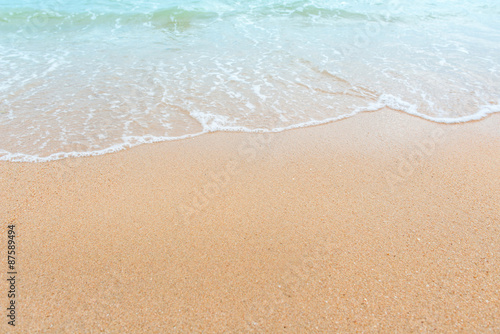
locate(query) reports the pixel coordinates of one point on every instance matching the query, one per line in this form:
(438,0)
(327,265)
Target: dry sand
(379,223)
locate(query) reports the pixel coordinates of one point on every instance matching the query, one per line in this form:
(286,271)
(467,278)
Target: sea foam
(88,80)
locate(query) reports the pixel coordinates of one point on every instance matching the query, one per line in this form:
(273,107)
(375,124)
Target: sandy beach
(382,222)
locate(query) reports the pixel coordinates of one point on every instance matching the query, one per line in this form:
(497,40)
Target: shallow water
(92,77)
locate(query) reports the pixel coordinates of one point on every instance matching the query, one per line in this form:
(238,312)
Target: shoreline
(378,222)
(481,115)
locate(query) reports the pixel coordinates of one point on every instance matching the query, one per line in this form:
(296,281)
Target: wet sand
(378,223)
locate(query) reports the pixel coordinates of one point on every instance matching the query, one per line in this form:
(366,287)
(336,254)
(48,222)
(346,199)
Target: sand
(383,222)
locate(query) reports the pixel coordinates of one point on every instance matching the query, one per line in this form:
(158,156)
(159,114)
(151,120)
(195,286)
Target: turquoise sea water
(96,76)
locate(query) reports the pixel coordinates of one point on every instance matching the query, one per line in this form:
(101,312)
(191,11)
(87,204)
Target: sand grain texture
(382,222)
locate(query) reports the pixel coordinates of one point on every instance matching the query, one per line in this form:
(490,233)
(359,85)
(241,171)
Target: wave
(179,17)
(174,17)
(385,101)
(255,66)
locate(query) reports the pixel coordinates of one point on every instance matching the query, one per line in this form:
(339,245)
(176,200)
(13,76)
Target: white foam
(132,141)
(213,123)
(277,76)
(393,102)
(256,89)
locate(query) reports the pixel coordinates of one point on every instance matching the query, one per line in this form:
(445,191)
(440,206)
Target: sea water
(89,77)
